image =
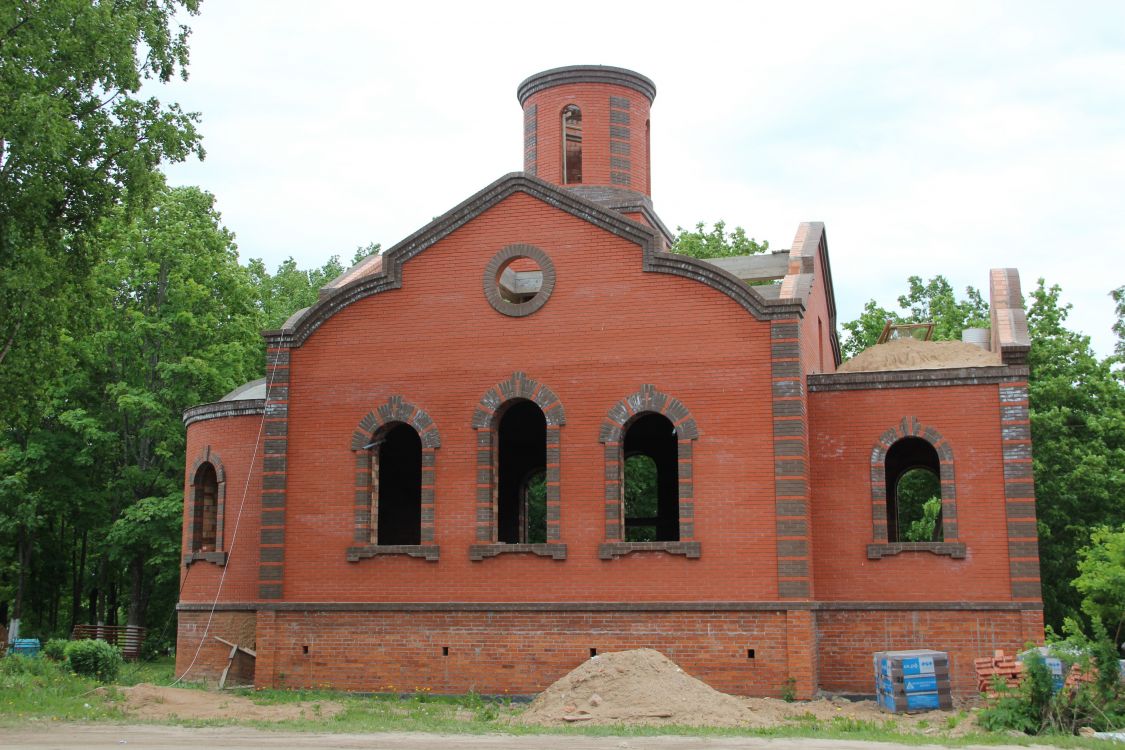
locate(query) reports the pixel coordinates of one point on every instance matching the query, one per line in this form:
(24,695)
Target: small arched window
(913,481)
(205,520)
(652,498)
(572,145)
(396,473)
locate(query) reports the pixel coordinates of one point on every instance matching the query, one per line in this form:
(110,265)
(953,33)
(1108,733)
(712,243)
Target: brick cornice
(934,378)
(585,74)
(221,409)
(716,606)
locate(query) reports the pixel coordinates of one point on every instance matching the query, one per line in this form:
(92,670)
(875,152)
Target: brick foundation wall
(236,627)
(847,639)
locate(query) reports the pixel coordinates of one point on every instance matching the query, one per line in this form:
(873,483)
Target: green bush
(94,659)
(1034,708)
(55,649)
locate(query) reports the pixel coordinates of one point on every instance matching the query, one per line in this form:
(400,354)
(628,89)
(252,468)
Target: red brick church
(431,486)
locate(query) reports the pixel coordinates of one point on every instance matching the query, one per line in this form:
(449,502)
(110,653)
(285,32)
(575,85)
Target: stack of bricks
(1007,668)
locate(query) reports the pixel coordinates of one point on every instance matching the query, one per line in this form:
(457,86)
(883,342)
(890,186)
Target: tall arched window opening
(651,491)
(521,474)
(396,467)
(206,512)
(572,145)
(913,481)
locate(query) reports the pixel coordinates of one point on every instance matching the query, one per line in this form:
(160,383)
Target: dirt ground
(115,737)
(146,701)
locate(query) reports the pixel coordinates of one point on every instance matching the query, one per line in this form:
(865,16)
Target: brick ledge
(479,552)
(956,550)
(219,558)
(675,606)
(429,552)
(614,550)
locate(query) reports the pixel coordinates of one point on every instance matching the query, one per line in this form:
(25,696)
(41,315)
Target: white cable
(234,534)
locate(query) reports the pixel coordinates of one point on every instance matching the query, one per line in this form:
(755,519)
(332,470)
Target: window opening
(397,466)
(913,486)
(521,474)
(519,280)
(572,145)
(206,508)
(652,503)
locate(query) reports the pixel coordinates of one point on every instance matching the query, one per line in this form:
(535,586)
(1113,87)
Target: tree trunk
(78,573)
(23,553)
(138,592)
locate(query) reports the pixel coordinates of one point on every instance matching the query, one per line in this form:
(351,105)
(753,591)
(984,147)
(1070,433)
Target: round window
(518,280)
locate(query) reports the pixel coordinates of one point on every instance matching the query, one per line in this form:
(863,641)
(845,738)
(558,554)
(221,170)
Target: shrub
(94,659)
(55,649)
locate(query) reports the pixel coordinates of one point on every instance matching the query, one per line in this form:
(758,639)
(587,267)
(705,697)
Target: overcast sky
(929,137)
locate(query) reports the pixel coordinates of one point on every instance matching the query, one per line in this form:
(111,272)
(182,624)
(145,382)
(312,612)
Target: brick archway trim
(518,386)
(397,410)
(647,400)
(218,556)
(882,547)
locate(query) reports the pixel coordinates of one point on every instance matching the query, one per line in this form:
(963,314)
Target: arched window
(913,481)
(572,145)
(521,497)
(649,489)
(395,453)
(396,478)
(205,520)
(518,424)
(651,493)
(913,493)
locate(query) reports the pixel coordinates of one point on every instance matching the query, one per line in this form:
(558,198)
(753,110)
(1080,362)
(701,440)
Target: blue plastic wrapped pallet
(1053,663)
(25,646)
(917,680)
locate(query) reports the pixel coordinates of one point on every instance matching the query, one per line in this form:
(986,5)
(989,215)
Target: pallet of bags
(910,681)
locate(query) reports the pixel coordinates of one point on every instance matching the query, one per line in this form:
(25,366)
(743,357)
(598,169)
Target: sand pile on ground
(641,686)
(153,702)
(911,354)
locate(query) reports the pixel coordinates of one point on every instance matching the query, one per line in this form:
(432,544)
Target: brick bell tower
(586,127)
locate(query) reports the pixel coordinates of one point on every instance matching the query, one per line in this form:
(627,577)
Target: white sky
(929,137)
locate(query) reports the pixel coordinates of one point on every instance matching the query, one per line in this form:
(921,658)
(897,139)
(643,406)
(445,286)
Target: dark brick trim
(219,558)
(481,551)
(720,606)
(397,410)
(274,473)
(486,419)
(860,381)
(429,552)
(216,555)
(956,550)
(492,287)
(789,411)
(570,74)
(911,427)
(612,435)
(614,550)
(222,410)
(654,260)
(530,139)
(1019,485)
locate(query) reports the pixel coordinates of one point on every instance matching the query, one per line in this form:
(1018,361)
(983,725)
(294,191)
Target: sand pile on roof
(641,686)
(911,354)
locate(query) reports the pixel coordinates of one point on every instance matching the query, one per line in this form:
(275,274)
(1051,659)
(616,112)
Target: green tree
(1078,443)
(716,243)
(933,301)
(1101,579)
(290,288)
(75,142)
(180,328)
(1118,295)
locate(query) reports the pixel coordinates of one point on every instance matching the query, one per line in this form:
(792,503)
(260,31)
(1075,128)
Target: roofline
(569,74)
(654,260)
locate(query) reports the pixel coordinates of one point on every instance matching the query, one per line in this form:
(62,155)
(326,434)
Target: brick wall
(206,657)
(845,428)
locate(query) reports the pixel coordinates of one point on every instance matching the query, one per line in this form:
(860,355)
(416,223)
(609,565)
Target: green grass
(38,690)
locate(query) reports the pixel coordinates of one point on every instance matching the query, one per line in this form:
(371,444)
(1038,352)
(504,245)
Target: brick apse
(528,433)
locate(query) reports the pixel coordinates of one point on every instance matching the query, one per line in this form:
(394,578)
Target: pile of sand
(153,702)
(911,354)
(641,686)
